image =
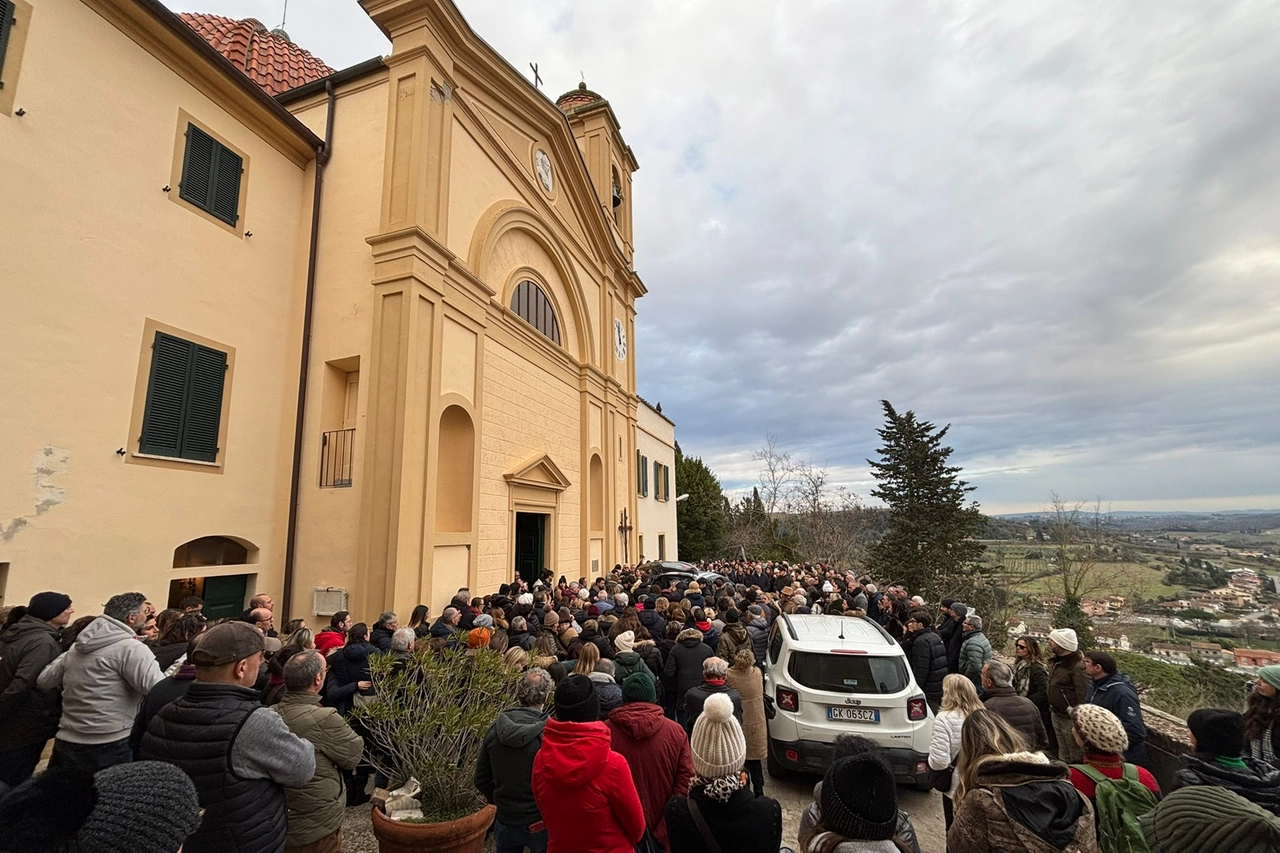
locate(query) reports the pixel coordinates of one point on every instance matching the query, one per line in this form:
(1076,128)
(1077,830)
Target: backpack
(1119,804)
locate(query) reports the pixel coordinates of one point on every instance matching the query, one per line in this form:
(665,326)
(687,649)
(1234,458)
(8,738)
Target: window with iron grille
(183,412)
(211,176)
(531,303)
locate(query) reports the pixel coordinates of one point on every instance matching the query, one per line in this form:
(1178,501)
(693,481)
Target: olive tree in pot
(425,720)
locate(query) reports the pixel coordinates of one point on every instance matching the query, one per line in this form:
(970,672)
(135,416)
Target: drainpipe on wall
(291,540)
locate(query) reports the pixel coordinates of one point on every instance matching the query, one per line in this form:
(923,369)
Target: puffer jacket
(627,663)
(504,770)
(316,809)
(944,745)
(927,656)
(653,622)
(28,714)
(758,630)
(905,835)
(1022,803)
(658,753)
(104,677)
(975,651)
(608,693)
(684,667)
(1257,782)
(521,639)
(1068,682)
(348,666)
(584,791)
(733,639)
(1020,713)
(1117,694)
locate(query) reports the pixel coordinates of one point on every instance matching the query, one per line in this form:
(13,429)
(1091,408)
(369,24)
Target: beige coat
(750,686)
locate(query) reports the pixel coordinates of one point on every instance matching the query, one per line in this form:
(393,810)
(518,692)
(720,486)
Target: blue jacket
(1116,693)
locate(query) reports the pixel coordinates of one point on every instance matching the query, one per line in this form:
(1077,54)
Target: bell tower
(610,161)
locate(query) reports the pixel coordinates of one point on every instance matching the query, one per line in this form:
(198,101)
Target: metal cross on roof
(537,81)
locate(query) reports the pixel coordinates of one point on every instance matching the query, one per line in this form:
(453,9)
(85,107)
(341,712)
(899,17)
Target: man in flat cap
(240,754)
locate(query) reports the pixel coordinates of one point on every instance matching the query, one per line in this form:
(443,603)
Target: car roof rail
(883,633)
(791,629)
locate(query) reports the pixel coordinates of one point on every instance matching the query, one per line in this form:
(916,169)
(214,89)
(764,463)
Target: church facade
(394,357)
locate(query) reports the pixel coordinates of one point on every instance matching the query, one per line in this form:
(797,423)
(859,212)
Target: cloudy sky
(1054,226)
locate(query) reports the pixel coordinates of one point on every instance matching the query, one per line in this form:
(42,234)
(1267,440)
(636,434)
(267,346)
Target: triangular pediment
(539,472)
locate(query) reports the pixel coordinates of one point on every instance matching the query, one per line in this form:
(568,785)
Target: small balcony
(337,452)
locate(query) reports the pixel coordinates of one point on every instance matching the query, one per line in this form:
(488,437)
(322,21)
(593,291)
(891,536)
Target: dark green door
(531,530)
(224,596)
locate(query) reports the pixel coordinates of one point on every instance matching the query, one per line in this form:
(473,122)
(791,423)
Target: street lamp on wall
(683,497)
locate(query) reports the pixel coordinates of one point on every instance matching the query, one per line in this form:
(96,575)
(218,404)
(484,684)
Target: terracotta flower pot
(464,835)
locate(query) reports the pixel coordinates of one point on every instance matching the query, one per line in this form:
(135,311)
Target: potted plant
(425,720)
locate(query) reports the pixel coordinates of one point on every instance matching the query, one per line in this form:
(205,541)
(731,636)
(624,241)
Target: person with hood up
(720,810)
(104,678)
(583,789)
(1068,687)
(656,749)
(651,618)
(926,655)
(504,771)
(1209,819)
(1217,758)
(28,714)
(683,670)
(1013,801)
(1114,691)
(975,650)
(950,630)
(734,637)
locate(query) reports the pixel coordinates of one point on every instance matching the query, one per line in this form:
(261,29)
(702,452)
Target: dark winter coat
(600,640)
(504,771)
(653,623)
(628,663)
(745,824)
(658,753)
(173,688)
(733,639)
(652,657)
(758,630)
(348,666)
(1068,682)
(28,715)
(684,667)
(381,638)
(1020,713)
(952,636)
(927,657)
(521,639)
(697,697)
(710,636)
(168,654)
(608,693)
(1022,804)
(584,791)
(1116,693)
(440,628)
(1259,782)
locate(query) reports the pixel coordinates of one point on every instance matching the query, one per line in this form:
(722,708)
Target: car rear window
(848,673)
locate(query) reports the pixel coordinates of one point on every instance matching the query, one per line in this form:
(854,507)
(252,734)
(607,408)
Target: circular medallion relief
(542,164)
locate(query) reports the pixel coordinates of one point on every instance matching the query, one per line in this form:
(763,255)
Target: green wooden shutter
(197,167)
(7,9)
(666,482)
(166,396)
(224,201)
(657,480)
(639,473)
(204,405)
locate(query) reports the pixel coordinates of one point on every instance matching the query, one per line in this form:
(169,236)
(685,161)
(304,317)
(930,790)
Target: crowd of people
(639,724)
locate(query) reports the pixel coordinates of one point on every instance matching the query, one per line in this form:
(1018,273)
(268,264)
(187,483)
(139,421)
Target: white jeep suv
(831,675)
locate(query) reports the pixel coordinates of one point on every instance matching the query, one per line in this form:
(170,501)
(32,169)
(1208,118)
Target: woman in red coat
(582,787)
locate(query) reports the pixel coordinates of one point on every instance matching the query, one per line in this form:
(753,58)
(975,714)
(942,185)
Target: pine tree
(929,545)
(700,519)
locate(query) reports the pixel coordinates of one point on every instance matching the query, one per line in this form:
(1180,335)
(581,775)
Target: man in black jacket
(504,771)
(1114,691)
(714,671)
(951,631)
(926,655)
(28,715)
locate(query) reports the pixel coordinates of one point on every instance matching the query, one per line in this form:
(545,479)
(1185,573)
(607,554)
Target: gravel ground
(794,794)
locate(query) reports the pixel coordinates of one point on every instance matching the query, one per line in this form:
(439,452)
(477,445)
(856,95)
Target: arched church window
(534,308)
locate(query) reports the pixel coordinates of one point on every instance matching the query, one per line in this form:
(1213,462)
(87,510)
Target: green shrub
(1179,690)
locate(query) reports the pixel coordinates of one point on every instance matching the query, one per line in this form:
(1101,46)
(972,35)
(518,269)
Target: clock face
(619,339)
(542,163)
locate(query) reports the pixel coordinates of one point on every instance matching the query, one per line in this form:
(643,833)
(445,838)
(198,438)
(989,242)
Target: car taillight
(917,709)
(788,700)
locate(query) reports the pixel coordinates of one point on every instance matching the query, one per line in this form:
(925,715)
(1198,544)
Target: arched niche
(596,497)
(215,551)
(455,473)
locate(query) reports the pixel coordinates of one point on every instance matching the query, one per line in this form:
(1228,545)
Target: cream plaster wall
(656,439)
(93,248)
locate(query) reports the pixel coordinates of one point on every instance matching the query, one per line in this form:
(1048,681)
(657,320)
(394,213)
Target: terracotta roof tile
(272,61)
(576,98)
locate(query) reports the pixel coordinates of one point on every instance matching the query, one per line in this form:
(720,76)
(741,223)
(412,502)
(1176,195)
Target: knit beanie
(947,602)
(1064,638)
(860,798)
(576,700)
(731,617)
(1217,731)
(484,620)
(960,610)
(1100,729)
(479,638)
(1210,819)
(1271,675)
(551,620)
(718,745)
(524,598)
(638,687)
(625,642)
(46,605)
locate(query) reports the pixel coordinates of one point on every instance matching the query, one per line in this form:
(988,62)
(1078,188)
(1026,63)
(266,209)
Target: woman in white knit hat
(720,813)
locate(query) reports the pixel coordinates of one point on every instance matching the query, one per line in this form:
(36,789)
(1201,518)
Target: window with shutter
(639,473)
(657,480)
(7,10)
(666,482)
(210,175)
(183,411)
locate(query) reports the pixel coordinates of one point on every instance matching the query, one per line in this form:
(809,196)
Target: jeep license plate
(856,715)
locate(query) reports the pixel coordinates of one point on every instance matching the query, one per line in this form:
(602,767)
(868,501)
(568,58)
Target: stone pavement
(795,794)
